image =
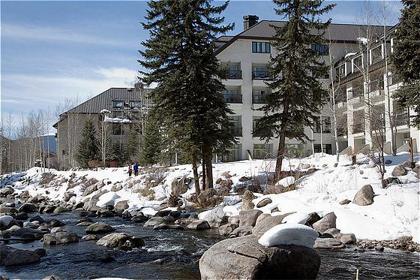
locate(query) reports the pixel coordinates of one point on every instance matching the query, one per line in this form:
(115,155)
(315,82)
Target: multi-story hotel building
(246,57)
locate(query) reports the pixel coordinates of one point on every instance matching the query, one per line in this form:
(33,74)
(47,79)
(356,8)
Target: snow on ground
(394,213)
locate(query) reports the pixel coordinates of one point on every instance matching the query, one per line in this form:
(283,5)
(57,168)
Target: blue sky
(55,50)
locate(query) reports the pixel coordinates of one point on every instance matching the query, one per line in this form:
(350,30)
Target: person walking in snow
(136,168)
(130,171)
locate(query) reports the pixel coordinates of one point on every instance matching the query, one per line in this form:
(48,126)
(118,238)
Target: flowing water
(171,254)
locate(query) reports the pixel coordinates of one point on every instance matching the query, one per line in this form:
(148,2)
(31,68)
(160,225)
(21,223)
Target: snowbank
(394,213)
(289,234)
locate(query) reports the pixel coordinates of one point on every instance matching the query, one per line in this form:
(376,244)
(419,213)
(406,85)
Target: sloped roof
(104,100)
(336,32)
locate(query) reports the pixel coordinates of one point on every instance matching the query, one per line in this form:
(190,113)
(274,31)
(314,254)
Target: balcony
(402,119)
(358,128)
(236,131)
(261,75)
(232,97)
(259,99)
(233,74)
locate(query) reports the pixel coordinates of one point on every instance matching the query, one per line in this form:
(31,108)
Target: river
(172,254)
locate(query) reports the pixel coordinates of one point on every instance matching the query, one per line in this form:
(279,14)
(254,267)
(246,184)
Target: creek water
(174,254)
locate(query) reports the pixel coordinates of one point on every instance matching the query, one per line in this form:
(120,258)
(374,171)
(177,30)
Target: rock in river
(245,258)
(10,256)
(121,241)
(60,237)
(99,228)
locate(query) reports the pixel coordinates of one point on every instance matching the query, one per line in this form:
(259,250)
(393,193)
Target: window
(233,95)
(234,70)
(357,63)
(376,55)
(320,49)
(233,153)
(326,125)
(236,127)
(119,104)
(260,72)
(262,151)
(135,104)
(259,95)
(327,148)
(117,129)
(261,47)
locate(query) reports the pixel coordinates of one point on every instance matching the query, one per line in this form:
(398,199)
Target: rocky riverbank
(161,200)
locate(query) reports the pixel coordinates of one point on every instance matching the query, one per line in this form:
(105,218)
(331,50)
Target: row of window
(121,104)
(234,95)
(323,125)
(265,47)
(374,55)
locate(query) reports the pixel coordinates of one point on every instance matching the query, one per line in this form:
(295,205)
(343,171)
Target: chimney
(250,21)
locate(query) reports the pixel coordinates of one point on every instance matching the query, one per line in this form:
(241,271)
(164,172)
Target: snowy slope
(394,213)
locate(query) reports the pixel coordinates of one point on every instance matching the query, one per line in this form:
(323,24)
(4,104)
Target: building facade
(246,57)
(114,113)
(366,82)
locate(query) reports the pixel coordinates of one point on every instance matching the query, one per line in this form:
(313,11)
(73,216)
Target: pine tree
(297,95)
(89,146)
(133,144)
(152,142)
(180,57)
(406,58)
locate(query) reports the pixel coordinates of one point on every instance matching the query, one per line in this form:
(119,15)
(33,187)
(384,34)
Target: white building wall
(240,51)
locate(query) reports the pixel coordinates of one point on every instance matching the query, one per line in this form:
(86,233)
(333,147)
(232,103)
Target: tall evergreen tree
(133,144)
(152,142)
(406,57)
(297,95)
(89,146)
(180,57)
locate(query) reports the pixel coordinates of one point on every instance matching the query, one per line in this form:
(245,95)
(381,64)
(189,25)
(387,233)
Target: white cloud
(41,33)
(23,92)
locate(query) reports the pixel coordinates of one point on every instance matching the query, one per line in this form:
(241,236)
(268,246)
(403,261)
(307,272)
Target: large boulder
(99,228)
(90,189)
(10,256)
(266,222)
(27,234)
(180,185)
(209,198)
(399,170)
(327,222)
(364,196)
(249,217)
(60,237)
(245,258)
(121,205)
(215,217)
(121,241)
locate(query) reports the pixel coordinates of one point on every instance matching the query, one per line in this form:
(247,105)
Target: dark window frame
(261,47)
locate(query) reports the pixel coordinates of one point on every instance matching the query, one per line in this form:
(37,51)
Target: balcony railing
(233,74)
(357,91)
(233,97)
(259,99)
(358,127)
(261,75)
(402,119)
